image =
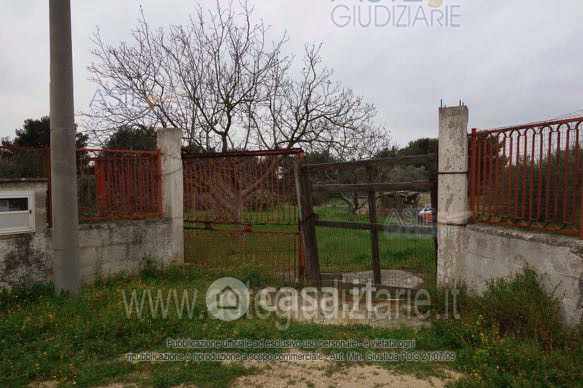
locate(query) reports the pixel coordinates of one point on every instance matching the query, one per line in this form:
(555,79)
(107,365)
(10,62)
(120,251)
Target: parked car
(426,215)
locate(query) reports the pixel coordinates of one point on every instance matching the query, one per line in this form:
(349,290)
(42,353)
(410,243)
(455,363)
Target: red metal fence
(20,162)
(112,184)
(529,176)
(119,184)
(240,207)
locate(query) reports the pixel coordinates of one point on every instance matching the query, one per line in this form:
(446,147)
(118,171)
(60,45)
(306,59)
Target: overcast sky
(510,61)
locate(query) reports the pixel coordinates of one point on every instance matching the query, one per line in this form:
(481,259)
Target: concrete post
(63,166)
(453,210)
(170,143)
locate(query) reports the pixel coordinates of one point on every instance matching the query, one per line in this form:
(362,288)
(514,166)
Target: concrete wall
(123,246)
(476,254)
(26,258)
(490,252)
(105,248)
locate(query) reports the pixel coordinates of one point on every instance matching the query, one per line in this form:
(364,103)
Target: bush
(520,307)
(511,335)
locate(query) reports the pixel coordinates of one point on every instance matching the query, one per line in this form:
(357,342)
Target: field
(340,250)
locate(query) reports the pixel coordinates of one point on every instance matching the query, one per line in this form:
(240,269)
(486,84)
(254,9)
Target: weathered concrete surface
(453,200)
(26,258)
(123,247)
(452,211)
(492,252)
(476,254)
(65,207)
(389,278)
(169,143)
(105,248)
(453,166)
(453,134)
(450,244)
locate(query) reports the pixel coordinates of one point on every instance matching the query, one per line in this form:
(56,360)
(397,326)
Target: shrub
(511,335)
(520,307)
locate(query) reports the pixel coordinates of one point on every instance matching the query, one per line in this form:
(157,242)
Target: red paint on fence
(119,184)
(240,207)
(240,188)
(112,184)
(529,176)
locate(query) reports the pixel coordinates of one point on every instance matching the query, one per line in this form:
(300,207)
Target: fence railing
(24,163)
(248,188)
(529,176)
(111,184)
(119,184)
(241,207)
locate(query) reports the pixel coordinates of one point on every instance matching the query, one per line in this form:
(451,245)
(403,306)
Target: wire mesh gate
(380,233)
(241,208)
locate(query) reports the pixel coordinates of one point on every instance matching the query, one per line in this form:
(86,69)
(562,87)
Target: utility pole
(65,225)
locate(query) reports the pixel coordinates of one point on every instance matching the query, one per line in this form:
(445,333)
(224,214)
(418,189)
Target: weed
(510,335)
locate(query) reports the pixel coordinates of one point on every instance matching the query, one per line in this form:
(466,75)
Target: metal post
(474,151)
(65,223)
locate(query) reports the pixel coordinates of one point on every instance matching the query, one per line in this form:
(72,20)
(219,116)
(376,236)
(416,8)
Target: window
(16,212)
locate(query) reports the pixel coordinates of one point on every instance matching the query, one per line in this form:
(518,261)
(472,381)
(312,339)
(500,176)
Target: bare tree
(198,77)
(316,113)
(220,81)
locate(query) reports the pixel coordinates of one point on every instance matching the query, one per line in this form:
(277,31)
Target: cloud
(511,62)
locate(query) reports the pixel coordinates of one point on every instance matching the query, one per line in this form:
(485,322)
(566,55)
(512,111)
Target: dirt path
(325,374)
(312,376)
(317,374)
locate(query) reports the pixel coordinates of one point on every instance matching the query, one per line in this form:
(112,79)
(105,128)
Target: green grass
(340,250)
(350,250)
(82,340)
(343,250)
(509,336)
(337,210)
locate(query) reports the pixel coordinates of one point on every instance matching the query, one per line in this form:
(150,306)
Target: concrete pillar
(170,143)
(63,165)
(453,210)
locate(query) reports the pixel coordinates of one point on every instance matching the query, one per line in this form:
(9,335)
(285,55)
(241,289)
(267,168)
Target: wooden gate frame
(309,221)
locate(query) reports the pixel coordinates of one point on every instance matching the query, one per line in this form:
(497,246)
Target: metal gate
(240,208)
